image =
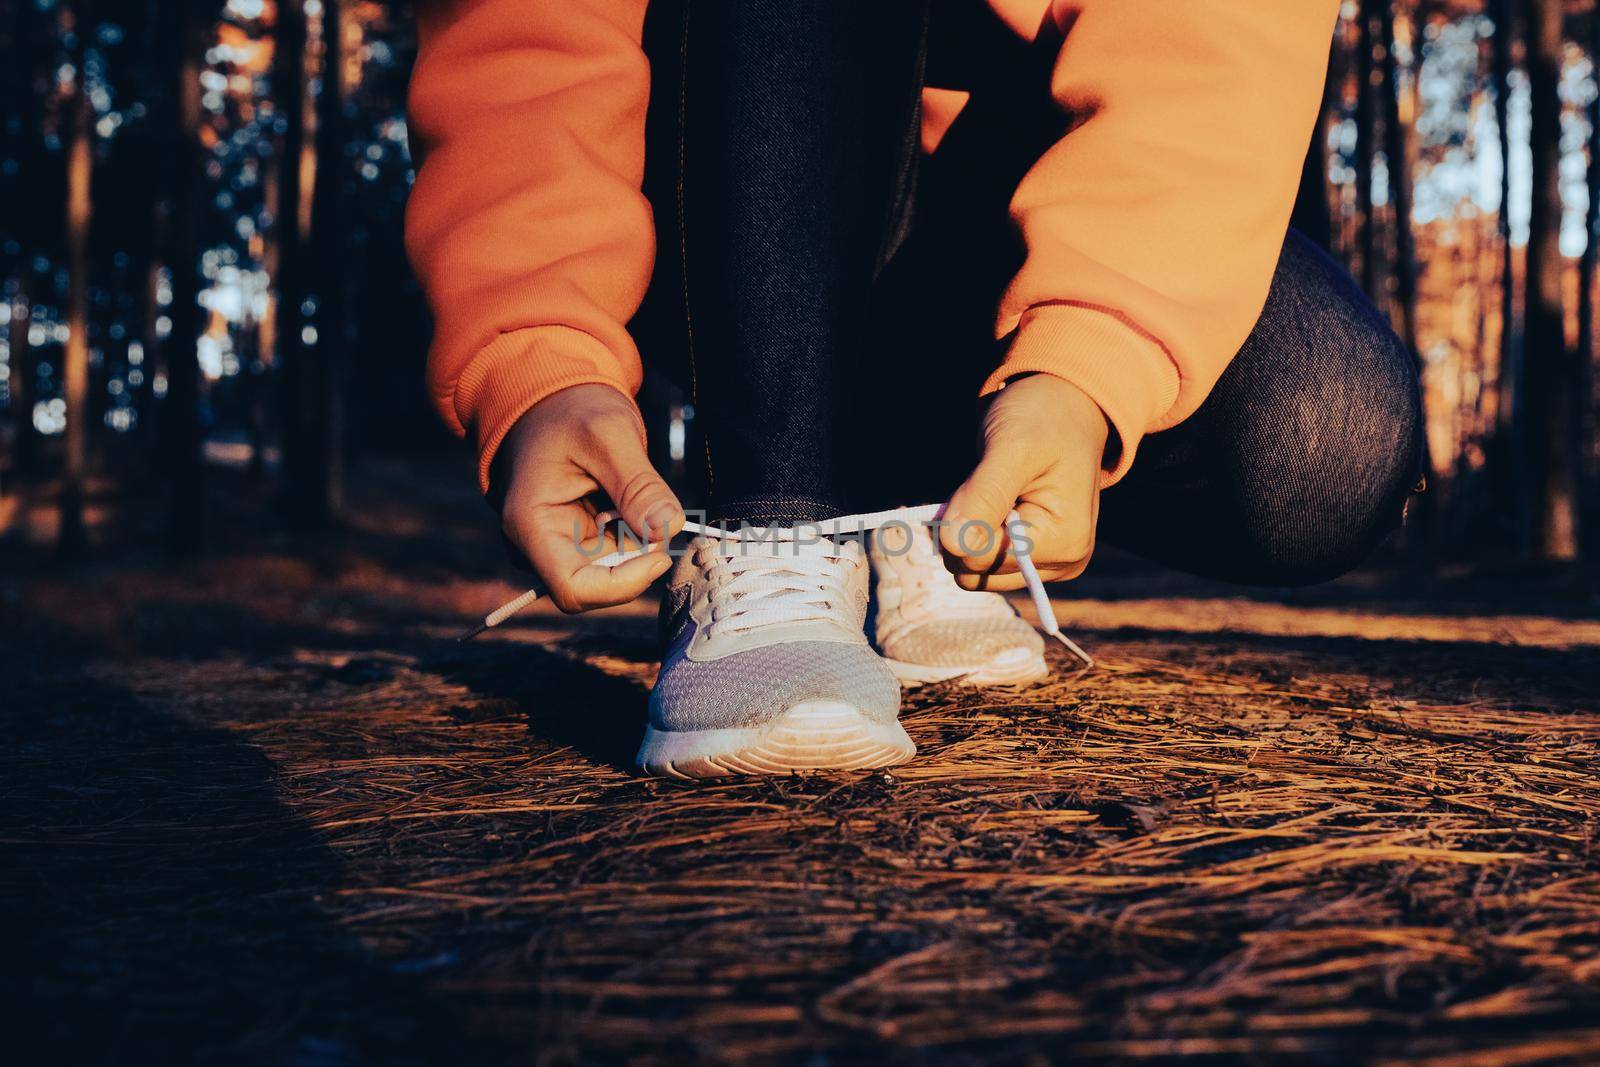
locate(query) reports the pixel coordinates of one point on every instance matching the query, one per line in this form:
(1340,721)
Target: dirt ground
(265,809)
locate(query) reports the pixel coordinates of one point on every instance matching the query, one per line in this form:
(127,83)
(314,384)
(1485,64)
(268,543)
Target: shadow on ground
(163,903)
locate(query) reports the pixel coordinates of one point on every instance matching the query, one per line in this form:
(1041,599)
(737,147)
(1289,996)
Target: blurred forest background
(202,281)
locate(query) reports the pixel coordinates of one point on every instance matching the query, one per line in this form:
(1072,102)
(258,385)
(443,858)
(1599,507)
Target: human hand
(567,449)
(1043,444)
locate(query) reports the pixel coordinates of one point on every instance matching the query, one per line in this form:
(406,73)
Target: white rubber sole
(1017,666)
(814,736)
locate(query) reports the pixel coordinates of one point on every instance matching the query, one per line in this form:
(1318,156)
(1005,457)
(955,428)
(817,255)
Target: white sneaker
(929,629)
(767,669)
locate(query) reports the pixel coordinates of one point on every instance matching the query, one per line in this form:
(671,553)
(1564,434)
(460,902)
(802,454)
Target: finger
(595,586)
(561,544)
(1068,516)
(1052,531)
(974,521)
(1054,525)
(1018,535)
(1036,528)
(640,495)
(590,531)
(1006,583)
(991,583)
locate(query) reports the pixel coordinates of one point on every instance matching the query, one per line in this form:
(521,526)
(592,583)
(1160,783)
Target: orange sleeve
(1154,226)
(527,226)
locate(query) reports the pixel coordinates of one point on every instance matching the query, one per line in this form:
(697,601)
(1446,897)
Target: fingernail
(660,567)
(661,521)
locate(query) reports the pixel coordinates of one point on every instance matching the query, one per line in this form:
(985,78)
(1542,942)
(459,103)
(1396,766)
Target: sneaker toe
(964,642)
(758,685)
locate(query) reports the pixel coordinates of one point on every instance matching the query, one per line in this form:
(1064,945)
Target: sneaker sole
(1019,666)
(815,736)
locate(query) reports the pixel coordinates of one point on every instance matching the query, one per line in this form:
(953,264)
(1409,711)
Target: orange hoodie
(1152,229)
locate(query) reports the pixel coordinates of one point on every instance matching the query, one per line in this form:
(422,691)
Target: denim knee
(1301,458)
(1330,459)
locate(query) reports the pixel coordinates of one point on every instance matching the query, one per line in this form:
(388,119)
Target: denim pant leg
(781,145)
(1300,460)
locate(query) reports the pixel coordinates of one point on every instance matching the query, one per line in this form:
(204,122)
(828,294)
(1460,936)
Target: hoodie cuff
(521,368)
(1120,367)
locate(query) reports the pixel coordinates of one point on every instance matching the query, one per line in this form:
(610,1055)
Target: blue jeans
(827,298)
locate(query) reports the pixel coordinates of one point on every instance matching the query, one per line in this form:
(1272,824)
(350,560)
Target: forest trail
(267,806)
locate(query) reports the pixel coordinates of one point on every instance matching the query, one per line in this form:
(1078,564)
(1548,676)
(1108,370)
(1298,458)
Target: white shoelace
(804,583)
(808,583)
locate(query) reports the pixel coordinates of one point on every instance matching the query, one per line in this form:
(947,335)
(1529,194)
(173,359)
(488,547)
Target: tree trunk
(187,518)
(326,426)
(19,199)
(1399,146)
(79,129)
(1504,451)
(1366,133)
(1403,277)
(1550,367)
(269,388)
(152,409)
(303,499)
(25,455)
(1586,279)
(1501,66)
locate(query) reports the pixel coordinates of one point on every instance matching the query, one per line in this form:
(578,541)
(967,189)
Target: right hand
(567,448)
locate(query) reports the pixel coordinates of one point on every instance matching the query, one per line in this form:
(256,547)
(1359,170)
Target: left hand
(1044,442)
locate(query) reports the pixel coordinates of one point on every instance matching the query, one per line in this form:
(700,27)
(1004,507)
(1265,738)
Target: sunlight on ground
(1197,616)
(1189,615)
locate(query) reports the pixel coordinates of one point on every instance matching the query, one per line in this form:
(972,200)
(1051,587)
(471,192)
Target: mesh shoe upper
(922,616)
(757,685)
(962,642)
(753,629)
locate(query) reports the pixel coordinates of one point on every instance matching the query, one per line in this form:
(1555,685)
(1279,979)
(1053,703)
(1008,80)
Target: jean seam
(902,206)
(683,231)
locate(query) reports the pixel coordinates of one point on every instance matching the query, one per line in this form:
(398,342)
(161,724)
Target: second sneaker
(929,629)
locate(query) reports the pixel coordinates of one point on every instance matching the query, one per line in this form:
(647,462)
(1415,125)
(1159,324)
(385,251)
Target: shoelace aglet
(511,607)
(503,612)
(1041,603)
(1072,646)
